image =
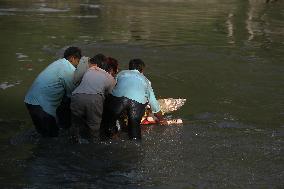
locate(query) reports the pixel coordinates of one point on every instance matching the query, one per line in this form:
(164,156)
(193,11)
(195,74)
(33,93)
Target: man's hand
(160,118)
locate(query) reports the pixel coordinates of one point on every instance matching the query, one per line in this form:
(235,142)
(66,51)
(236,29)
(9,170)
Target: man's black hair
(100,60)
(136,64)
(112,63)
(72,51)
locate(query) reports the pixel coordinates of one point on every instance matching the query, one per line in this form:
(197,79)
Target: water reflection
(255,11)
(230,26)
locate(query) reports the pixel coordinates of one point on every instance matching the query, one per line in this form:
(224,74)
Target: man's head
(73,55)
(136,64)
(112,66)
(98,60)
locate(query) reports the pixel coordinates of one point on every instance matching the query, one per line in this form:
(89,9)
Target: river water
(224,56)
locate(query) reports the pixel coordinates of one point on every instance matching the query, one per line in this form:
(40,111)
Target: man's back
(95,81)
(50,86)
(133,85)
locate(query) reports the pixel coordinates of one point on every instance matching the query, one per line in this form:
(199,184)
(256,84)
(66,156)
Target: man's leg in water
(113,107)
(135,113)
(44,123)
(63,113)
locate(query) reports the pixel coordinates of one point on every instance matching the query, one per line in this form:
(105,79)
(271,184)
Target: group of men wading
(88,95)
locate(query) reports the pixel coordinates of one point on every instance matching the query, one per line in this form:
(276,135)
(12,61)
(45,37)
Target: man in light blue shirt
(48,90)
(131,94)
(134,85)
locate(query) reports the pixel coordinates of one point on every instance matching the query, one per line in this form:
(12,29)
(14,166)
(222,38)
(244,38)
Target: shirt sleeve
(80,70)
(67,80)
(155,106)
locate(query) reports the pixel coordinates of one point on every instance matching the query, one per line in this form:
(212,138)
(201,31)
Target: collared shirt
(51,85)
(81,69)
(95,81)
(134,85)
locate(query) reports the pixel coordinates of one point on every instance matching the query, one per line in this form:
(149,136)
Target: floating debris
(91,6)
(21,55)
(47,9)
(6,85)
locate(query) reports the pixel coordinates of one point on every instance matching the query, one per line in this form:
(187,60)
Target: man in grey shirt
(88,98)
(83,66)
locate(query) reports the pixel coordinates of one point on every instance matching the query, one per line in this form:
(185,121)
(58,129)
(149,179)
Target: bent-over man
(47,91)
(131,94)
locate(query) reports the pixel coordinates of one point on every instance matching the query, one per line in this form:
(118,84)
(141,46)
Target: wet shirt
(51,85)
(95,81)
(134,85)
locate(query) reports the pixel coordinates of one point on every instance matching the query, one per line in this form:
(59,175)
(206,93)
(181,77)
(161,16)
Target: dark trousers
(44,123)
(114,107)
(86,116)
(63,113)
